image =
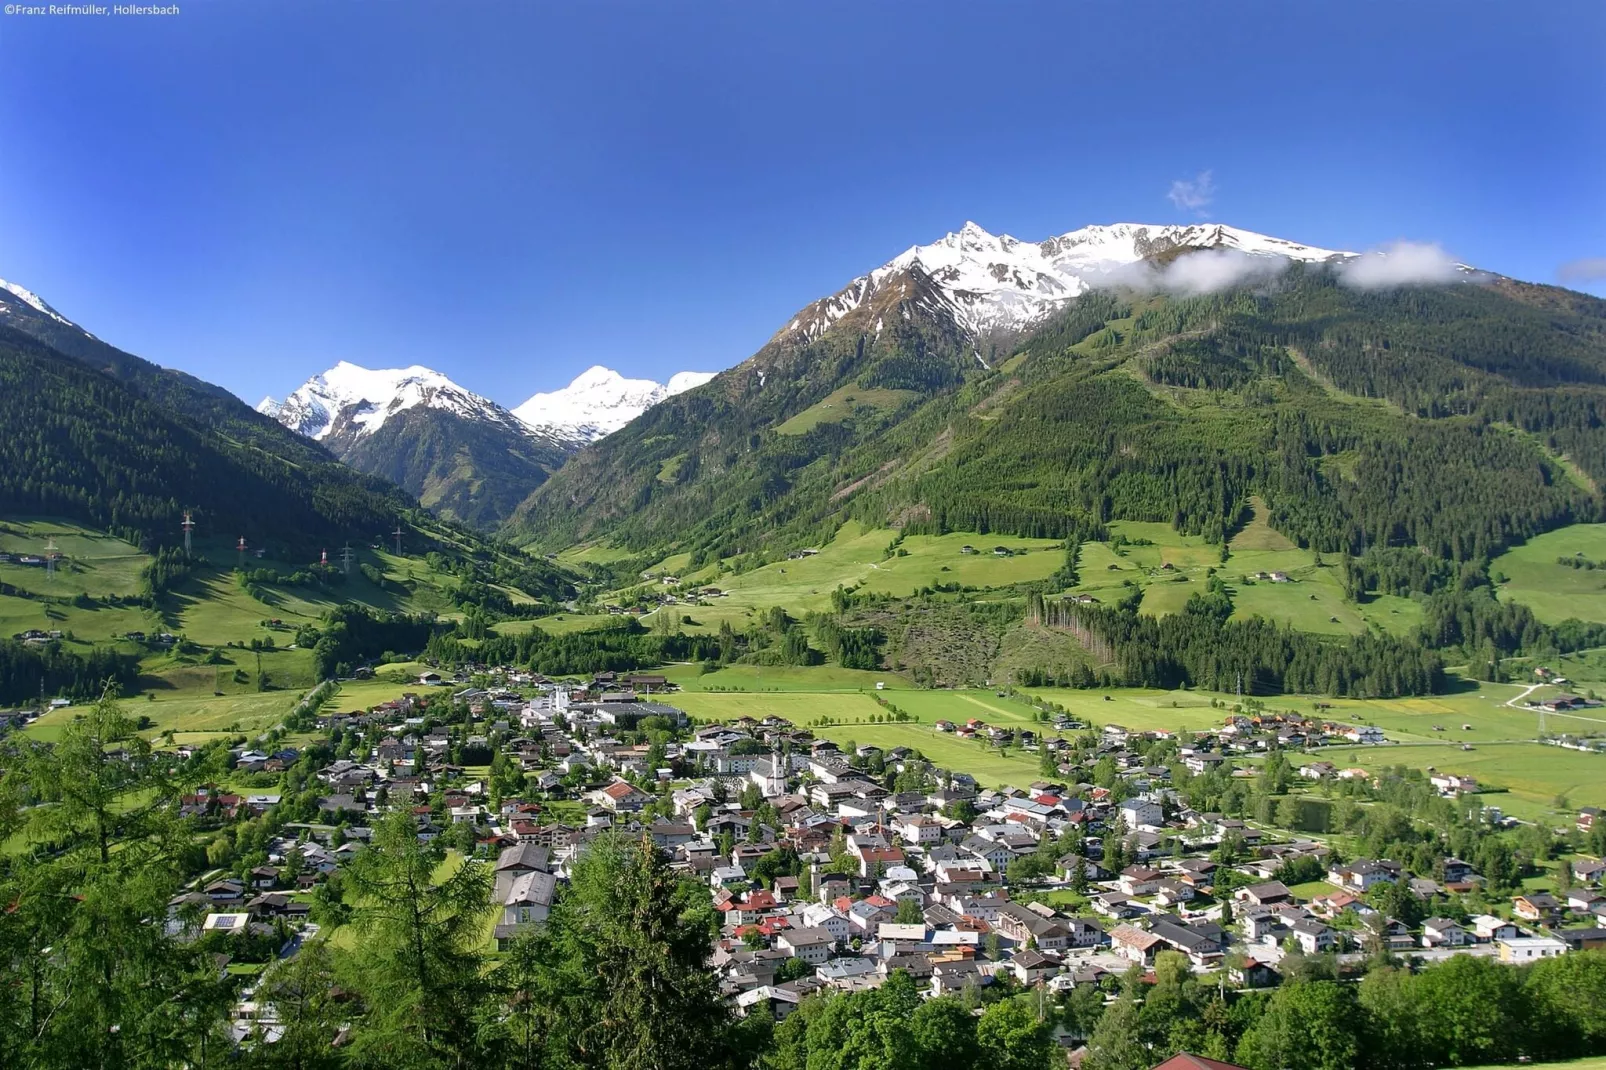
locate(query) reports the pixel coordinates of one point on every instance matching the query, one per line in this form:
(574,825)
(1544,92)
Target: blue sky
(512,191)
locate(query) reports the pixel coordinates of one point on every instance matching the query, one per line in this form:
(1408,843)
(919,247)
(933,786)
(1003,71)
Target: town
(835,869)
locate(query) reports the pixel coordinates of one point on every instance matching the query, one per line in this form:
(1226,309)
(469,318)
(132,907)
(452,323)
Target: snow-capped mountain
(600,401)
(994,282)
(353,401)
(33,301)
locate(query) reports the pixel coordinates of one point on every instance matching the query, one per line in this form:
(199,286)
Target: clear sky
(512,190)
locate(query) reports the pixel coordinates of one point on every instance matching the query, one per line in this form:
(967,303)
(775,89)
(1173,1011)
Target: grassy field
(192,718)
(799,707)
(559,624)
(1312,600)
(858,556)
(1598,1062)
(842,404)
(90,564)
(1554,591)
(1523,779)
(987,764)
(965,705)
(819,678)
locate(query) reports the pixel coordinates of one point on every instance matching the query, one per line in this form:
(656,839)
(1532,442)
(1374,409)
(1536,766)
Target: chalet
(1441,932)
(1536,907)
(1362,875)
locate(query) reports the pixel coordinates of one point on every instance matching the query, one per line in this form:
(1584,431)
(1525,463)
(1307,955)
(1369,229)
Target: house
(1364,734)
(1265,894)
(1523,949)
(1449,785)
(1584,939)
(1588,871)
(1135,944)
(1536,907)
(1184,1061)
(1031,967)
(1140,813)
(1489,929)
(811,945)
(1139,880)
(620,797)
(1312,936)
(1441,932)
(429,679)
(1362,875)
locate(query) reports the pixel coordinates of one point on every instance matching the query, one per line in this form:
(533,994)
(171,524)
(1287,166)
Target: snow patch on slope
(600,401)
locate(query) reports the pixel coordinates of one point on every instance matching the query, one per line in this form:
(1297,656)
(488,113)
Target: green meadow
(843,404)
(1556,592)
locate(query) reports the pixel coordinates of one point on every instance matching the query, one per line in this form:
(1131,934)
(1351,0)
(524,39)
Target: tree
(1568,995)
(944,1033)
(1117,1042)
(1307,1025)
(1013,1039)
(302,990)
(620,972)
(88,979)
(1473,1011)
(100,763)
(417,961)
(910,913)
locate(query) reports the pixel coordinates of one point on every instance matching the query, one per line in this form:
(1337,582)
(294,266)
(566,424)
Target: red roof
(1186,1061)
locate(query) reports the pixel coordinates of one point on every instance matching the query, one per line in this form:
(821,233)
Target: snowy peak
(600,401)
(995,282)
(353,401)
(10,291)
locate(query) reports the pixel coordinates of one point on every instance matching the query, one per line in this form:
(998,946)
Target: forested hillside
(130,455)
(469,470)
(1458,419)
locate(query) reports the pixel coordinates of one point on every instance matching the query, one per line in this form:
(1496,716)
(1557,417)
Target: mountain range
(982,383)
(471,459)
(459,453)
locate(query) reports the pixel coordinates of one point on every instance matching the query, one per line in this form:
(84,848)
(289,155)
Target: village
(832,869)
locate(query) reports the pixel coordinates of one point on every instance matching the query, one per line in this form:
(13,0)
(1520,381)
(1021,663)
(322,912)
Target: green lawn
(89,563)
(964,705)
(983,762)
(819,678)
(559,624)
(1554,591)
(1596,1063)
(208,715)
(799,707)
(1531,774)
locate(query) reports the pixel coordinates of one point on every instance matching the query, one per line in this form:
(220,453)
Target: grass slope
(1555,591)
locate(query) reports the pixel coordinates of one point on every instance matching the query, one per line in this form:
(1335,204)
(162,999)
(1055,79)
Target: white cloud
(1589,269)
(1195,194)
(1201,272)
(1404,263)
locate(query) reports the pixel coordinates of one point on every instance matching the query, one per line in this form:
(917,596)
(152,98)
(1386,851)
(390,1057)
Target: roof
(1186,1061)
